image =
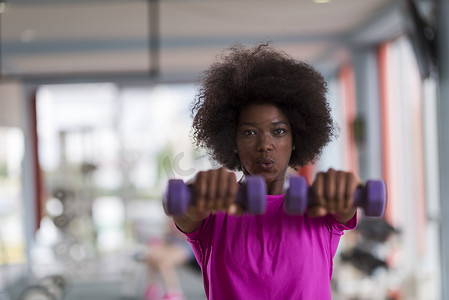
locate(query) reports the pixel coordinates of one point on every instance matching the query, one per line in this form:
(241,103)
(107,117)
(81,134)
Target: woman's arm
(344,217)
(191,220)
(186,224)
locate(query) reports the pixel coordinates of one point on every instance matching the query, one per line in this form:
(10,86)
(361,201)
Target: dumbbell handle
(371,197)
(251,196)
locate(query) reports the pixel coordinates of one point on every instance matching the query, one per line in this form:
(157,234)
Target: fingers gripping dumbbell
(371,197)
(251,196)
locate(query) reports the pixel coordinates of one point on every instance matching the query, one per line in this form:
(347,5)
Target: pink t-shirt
(269,256)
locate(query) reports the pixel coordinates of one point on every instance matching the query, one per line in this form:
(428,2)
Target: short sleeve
(195,235)
(338,228)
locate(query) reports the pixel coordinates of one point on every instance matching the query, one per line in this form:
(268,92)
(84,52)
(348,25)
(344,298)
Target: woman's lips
(265,163)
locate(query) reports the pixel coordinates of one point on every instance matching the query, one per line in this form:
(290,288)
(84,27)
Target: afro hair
(261,74)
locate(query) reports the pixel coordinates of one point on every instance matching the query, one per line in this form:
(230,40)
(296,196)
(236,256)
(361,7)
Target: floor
(112,287)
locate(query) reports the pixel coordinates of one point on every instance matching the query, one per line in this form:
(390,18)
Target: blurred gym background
(94,118)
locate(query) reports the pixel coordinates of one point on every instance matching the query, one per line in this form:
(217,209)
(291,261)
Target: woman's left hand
(333,192)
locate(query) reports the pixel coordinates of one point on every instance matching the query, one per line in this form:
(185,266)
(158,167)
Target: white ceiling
(68,39)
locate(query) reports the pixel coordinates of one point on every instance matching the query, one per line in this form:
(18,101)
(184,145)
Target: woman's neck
(276,187)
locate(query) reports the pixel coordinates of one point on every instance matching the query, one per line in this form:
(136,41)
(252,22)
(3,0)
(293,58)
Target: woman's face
(264,142)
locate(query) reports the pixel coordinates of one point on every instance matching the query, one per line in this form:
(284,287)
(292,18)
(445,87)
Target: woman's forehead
(261,113)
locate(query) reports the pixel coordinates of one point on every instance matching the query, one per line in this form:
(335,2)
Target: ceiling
(173,40)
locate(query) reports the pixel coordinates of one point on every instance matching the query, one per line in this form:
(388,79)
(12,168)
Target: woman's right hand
(214,190)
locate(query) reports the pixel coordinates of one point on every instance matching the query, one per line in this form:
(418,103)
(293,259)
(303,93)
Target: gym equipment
(48,288)
(251,196)
(36,292)
(371,197)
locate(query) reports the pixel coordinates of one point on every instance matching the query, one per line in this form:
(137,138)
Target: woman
(261,112)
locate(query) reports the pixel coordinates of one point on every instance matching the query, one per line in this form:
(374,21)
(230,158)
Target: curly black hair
(261,74)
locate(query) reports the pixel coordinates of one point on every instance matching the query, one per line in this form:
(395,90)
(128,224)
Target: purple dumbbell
(372,197)
(251,196)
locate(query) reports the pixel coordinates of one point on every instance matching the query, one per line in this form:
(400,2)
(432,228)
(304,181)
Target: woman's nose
(264,143)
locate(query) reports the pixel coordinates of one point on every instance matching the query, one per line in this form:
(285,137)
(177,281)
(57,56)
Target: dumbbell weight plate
(296,198)
(176,197)
(375,197)
(254,198)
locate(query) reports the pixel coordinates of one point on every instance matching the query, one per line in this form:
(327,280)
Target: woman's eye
(249,132)
(279,131)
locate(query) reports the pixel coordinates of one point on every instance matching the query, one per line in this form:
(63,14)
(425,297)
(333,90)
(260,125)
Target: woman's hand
(214,190)
(333,192)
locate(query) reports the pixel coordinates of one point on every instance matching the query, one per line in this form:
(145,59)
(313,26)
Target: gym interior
(95,100)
